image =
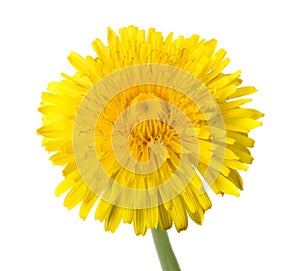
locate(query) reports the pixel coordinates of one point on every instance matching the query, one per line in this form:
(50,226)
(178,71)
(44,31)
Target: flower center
(151,136)
(136,133)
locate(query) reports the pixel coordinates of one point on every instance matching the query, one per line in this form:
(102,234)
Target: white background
(258,231)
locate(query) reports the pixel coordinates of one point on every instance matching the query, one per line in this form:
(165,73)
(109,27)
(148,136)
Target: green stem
(164,250)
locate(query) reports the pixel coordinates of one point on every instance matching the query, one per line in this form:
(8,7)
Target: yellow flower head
(145,125)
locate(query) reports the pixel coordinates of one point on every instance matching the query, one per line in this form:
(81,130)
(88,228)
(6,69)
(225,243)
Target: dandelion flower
(144,125)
